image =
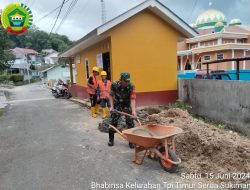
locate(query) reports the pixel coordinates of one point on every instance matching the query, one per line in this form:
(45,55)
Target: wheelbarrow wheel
(167,166)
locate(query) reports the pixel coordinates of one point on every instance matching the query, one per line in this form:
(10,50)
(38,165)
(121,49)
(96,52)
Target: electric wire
(57,16)
(49,13)
(193,9)
(69,10)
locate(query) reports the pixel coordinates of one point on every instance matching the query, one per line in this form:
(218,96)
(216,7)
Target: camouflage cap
(125,76)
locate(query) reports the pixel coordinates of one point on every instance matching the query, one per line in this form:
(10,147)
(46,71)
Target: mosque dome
(219,26)
(209,18)
(193,25)
(235,22)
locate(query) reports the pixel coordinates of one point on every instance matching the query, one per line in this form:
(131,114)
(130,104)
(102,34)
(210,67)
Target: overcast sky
(86,15)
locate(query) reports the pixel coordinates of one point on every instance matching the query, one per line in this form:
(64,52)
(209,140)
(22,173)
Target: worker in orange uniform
(104,86)
(92,91)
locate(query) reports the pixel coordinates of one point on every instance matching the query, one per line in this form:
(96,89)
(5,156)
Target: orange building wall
(182,46)
(208,43)
(227,54)
(239,53)
(226,41)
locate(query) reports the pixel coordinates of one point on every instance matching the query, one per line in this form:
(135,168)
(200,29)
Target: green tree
(59,42)
(38,40)
(5,54)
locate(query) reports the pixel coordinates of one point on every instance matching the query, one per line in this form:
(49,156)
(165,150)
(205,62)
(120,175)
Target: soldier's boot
(93,112)
(111,138)
(104,113)
(96,109)
(131,145)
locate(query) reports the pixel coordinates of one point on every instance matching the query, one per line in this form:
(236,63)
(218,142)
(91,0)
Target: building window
(219,56)
(207,57)
(179,64)
(241,41)
(87,68)
(188,65)
(194,46)
(198,66)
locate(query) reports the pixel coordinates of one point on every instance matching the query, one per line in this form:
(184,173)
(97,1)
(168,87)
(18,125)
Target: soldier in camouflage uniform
(122,98)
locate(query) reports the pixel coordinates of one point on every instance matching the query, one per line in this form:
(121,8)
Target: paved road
(53,144)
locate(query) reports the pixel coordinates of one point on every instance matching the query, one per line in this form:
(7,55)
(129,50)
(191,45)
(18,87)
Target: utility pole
(103,12)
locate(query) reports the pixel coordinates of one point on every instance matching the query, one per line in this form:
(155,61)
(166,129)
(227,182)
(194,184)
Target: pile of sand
(204,148)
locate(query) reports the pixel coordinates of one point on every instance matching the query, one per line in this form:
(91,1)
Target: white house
(57,72)
(51,58)
(23,59)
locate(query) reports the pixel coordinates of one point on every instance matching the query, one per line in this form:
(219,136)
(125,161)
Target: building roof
(46,70)
(24,50)
(155,6)
(52,55)
(49,50)
(205,31)
(244,28)
(51,68)
(233,29)
(217,35)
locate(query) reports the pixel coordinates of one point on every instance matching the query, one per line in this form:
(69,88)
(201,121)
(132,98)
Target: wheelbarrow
(157,142)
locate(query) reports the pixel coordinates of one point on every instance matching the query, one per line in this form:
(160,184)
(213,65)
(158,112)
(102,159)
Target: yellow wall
(145,46)
(90,54)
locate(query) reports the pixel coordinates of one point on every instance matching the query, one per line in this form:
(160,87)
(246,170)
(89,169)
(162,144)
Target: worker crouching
(104,86)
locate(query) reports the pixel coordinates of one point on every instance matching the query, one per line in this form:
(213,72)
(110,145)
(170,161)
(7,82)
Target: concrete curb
(84,103)
(87,104)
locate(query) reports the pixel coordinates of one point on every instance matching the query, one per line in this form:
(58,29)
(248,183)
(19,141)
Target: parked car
(216,75)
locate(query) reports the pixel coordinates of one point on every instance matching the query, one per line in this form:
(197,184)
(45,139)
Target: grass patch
(180,104)
(221,126)
(218,124)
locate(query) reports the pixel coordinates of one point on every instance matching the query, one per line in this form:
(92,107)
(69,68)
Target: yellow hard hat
(103,73)
(95,69)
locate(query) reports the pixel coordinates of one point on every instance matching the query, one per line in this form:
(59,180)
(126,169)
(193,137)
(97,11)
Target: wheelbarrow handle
(119,132)
(123,113)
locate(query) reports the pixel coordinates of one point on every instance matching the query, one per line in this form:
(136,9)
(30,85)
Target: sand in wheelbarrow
(143,132)
(204,148)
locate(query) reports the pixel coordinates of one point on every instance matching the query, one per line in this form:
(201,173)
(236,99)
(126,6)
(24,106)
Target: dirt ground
(203,147)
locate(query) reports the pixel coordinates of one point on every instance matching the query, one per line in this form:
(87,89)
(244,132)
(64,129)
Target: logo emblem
(16,18)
